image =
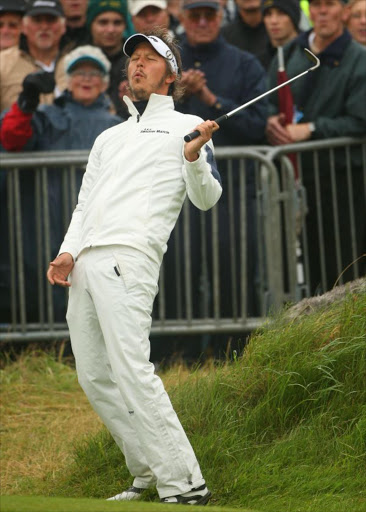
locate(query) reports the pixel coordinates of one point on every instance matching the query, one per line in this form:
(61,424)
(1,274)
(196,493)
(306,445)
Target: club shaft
(196,133)
(254,100)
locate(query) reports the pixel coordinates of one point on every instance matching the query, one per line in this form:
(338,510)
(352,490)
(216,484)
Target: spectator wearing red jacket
(73,121)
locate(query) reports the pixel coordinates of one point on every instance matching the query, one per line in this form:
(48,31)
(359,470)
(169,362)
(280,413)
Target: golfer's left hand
(59,269)
(192,148)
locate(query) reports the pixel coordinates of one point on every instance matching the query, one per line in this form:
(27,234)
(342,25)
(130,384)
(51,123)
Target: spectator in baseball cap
(43,26)
(219,77)
(51,7)
(11,13)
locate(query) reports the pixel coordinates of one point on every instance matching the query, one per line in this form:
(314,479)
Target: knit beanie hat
(290,7)
(97,7)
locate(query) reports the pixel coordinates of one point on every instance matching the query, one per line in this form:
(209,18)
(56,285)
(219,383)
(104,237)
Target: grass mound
(282,427)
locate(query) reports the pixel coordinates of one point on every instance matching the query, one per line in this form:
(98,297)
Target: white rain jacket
(136,181)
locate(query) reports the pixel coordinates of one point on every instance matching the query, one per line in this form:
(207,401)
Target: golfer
(136,180)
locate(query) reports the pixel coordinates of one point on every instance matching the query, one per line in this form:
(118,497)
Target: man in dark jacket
(218,78)
(330,102)
(77,31)
(248,31)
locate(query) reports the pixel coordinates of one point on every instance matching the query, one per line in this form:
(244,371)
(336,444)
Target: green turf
(42,504)
(282,428)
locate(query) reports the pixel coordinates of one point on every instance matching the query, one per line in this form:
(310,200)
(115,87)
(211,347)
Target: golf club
(219,120)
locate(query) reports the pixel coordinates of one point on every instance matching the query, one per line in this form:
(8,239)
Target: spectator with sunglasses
(218,78)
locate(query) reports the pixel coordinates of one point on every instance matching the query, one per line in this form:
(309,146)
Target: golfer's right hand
(192,148)
(59,269)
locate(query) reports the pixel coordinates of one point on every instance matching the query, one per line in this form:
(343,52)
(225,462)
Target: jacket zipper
(138,118)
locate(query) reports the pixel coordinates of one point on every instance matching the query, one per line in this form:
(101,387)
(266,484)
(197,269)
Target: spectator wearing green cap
(107,21)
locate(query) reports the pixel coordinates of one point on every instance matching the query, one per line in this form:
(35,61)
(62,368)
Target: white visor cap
(158,45)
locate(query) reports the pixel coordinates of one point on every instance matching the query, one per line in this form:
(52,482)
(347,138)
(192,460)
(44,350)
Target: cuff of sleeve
(194,166)
(197,170)
(63,249)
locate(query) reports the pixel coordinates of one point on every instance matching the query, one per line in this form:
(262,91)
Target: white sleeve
(71,243)
(202,178)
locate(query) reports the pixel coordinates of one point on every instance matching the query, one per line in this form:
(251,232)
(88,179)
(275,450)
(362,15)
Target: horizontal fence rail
(224,270)
(331,195)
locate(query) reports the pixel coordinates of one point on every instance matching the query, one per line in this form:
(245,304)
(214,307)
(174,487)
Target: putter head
(313,58)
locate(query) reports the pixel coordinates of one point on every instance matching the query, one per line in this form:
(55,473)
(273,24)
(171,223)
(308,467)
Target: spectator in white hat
(73,121)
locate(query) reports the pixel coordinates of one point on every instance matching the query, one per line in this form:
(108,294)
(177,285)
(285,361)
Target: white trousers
(109,318)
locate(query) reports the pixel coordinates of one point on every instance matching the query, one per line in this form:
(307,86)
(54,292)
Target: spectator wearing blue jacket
(72,122)
(219,77)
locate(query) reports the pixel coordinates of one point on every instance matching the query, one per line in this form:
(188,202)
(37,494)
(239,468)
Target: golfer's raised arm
(200,171)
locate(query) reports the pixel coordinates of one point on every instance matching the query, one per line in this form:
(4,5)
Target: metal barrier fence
(331,211)
(224,269)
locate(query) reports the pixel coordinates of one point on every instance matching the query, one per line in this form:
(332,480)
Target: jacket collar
(156,103)
(334,52)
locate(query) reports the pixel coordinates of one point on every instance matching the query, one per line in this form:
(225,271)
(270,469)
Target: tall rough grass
(282,427)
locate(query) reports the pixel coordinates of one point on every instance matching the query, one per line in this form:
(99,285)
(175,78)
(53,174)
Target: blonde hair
(176,89)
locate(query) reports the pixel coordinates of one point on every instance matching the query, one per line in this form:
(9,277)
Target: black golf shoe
(197,496)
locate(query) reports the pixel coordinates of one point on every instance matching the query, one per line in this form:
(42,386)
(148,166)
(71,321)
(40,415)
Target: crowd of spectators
(62,76)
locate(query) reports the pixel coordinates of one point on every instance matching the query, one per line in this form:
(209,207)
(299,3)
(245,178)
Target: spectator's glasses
(196,16)
(80,73)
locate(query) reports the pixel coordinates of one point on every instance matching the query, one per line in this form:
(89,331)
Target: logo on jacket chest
(151,130)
